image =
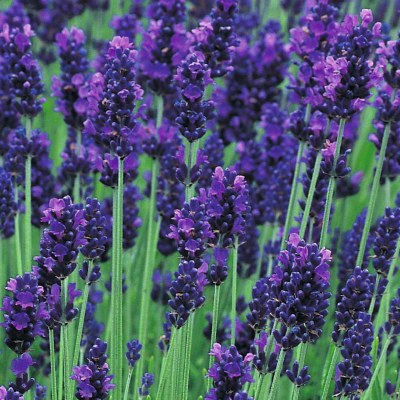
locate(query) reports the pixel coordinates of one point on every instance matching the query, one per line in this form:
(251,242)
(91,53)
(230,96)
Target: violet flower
(24,313)
(92,378)
(7,203)
(229,373)
(133,353)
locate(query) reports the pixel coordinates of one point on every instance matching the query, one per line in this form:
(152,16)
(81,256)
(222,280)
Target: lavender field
(199,199)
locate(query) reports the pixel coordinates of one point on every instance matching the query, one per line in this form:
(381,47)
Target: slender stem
(310,196)
(293,192)
(77,180)
(302,357)
(118,329)
(381,360)
(128,382)
(234,290)
(188,352)
(388,192)
(28,201)
(277,375)
(166,365)
(214,327)
(53,366)
(160,110)
(374,295)
(61,368)
(75,358)
(373,195)
(65,343)
(331,187)
(18,249)
(151,248)
(331,363)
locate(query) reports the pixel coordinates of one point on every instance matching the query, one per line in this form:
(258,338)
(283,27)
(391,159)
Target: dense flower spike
(387,235)
(216,39)
(116,123)
(354,299)
(164,45)
(147,383)
(186,292)
(70,85)
(7,202)
(228,205)
(191,230)
(354,373)
(298,377)
(299,292)
(24,313)
(92,378)
(60,241)
(192,78)
(133,353)
(229,373)
(24,72)
(94,230)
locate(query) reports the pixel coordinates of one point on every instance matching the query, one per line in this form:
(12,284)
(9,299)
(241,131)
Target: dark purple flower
(94,230)
(219,269)
(298,292)
(340,170)
(40,392)
(229,373)
(354,372)
(186,292)
(24,313)
(115,124)
(164,45)
(228,205)
(60,241)
(74,68)
(297,376)
(24,72)
(191,230)
(20,366)
(8,206)
(92,378)
(147,382)
(193,75)
(216,38)
(387,235)
(354,299)
(133,353)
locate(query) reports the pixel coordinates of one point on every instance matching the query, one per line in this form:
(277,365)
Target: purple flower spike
(74,68)
(23,312)
(217,38)
(60,241)
(133,353)
(229,373)
(228,205)
(193,75)
(147,382)
(297,376)
(7,203)
(93,381)
(115,124)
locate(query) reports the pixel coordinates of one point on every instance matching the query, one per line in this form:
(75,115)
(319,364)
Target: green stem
(374,295)
(293,192)
(277,375)
(77,180)
(166,366)
(214,327)
(373,195)
(234,290)
(151,244)
(160,110)
(53,366)
(331,363)
(388,192)
(381,360)
(75,358)
(28,201)
(118,328)
(310,196)
(128,382)
(188,352)
(65,343)
(302,357)
(61,369)
(18,249)
(331,187)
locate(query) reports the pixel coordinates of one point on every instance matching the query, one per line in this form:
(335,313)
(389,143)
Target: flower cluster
(24,313)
